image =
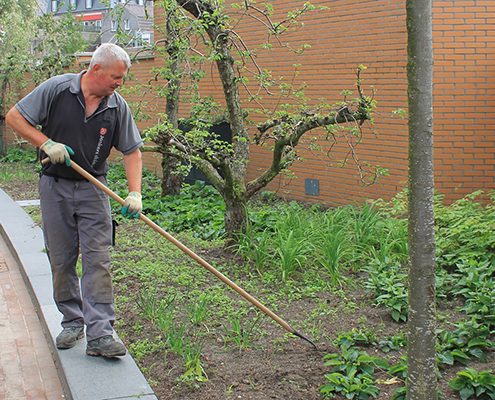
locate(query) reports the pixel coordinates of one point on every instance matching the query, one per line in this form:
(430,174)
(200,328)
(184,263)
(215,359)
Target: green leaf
(466,393)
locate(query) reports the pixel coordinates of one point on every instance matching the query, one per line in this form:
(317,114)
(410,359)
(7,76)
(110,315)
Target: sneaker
(105,346)
(69,337)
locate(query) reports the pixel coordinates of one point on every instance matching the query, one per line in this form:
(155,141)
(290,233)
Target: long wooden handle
(186,250)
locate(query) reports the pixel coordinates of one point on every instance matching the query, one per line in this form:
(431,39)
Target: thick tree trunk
(421,380)
(171,182)
(235,218)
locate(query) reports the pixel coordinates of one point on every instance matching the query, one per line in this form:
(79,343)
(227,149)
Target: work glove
(132,205)
(58,153)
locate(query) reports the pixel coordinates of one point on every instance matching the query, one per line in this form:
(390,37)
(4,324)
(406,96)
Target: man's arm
(18,123)
(57,152)
(133,170)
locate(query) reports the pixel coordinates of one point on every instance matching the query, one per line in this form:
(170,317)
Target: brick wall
(464,38)
(373,33)
(349,33)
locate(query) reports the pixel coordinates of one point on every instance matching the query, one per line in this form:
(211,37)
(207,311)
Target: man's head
(108,68)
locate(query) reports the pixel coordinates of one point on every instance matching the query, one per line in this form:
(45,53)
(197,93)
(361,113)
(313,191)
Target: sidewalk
(27,370)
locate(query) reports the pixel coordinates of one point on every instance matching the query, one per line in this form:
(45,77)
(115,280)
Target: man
(82,117)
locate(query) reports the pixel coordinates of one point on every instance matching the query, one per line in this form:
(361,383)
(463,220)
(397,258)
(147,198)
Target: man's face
(110,77)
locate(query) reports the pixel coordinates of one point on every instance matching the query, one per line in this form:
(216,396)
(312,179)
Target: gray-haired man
(82,118)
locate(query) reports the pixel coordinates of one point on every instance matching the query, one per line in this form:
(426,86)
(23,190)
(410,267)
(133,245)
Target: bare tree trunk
(422,377)
(171,181)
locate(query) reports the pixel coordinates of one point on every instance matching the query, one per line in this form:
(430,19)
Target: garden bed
(194,338)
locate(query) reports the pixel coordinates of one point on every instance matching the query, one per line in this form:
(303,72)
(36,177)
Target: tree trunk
(422,377)
(235,218)
(171,181)
(3,128)
(3,145)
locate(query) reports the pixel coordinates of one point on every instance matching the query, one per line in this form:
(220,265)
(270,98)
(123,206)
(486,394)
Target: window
(127,26)
(146,37)
(140,2)
(89,3)
(54,5)
(114,26)
(98,23)
(73,4)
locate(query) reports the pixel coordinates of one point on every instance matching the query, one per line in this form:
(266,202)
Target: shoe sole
(72,344)
(95,353)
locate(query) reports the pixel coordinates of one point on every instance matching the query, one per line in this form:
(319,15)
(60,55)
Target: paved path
(27,370)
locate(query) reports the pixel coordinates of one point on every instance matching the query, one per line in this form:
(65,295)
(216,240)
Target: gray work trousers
(76,216)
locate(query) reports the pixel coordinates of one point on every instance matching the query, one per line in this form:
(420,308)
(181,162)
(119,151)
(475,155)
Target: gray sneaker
(105,346)
(69,337)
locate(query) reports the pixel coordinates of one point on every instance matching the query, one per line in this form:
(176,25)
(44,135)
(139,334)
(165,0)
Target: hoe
(190,253)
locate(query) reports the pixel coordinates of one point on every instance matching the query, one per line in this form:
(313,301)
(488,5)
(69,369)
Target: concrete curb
(82,377)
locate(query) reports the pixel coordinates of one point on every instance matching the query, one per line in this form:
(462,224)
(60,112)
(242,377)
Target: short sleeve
(35,106)
(129,138)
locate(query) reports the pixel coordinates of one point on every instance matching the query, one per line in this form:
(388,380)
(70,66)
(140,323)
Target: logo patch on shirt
(103,131)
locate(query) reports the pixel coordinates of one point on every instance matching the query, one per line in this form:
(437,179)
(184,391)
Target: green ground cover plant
(472,384)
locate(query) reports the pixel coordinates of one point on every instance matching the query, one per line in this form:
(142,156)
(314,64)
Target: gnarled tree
(225,164)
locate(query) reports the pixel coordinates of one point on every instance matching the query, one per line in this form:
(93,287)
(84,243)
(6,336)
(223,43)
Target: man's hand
(132,205)
(58,153)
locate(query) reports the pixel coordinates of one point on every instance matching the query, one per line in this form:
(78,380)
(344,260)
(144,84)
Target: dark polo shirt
(57,105)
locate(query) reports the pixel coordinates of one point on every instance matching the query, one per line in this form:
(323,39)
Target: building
(129,23)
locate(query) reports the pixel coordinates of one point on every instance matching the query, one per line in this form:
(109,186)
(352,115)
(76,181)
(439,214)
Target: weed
(141,348)
(198,311)
(192,362)
(241,333)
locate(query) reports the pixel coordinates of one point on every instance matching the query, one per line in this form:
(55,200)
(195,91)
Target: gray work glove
(58,153)
(132,205)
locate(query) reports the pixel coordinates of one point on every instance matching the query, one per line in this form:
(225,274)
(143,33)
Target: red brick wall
(346,35)
(349,33)
(464,39)
(373,33)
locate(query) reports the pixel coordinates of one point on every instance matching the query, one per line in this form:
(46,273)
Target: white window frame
(146,37)
(113,28)
(89,4)
(127,25)
(54,5)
